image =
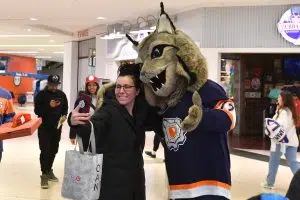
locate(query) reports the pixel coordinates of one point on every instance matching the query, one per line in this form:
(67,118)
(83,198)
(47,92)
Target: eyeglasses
(126,88)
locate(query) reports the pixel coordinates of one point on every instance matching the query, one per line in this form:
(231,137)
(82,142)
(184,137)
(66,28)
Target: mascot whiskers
(196,113)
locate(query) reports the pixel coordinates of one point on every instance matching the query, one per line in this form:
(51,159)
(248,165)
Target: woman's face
(280,103)
(92,87)
(125,90)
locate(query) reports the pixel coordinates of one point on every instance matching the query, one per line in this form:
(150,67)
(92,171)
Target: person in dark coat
(51,105)
(117,125)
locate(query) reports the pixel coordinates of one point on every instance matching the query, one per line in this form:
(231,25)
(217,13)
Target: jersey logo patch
(228,107)
(174,135)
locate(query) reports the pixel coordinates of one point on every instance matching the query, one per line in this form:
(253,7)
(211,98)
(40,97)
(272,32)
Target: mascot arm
(195,113)
(221,118)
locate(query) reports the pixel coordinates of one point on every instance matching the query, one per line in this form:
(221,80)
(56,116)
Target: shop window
(227,76)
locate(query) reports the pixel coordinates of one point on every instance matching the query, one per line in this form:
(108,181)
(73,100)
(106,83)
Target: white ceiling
(61,18)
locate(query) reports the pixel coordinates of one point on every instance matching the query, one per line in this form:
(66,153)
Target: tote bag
(83,171)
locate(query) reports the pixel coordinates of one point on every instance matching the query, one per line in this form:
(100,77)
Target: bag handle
(80,144)
(92,142)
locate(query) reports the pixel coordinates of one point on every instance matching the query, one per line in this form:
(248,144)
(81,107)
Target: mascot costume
(196,113)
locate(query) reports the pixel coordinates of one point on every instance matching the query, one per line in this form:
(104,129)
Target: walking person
(7,111)
(156,142)
(51,105)
(286,116)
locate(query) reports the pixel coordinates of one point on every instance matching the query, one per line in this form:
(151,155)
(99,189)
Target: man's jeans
(290,155)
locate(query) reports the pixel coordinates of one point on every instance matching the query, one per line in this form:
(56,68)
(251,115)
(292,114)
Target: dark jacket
(50,116)
(117,137)
(149,120)
(293,192)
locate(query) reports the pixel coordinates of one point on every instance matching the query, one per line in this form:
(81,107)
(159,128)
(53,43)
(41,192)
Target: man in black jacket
(51,105)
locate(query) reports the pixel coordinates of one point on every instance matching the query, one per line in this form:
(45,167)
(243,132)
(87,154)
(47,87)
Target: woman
(286,117)
(91,88)
(116,125)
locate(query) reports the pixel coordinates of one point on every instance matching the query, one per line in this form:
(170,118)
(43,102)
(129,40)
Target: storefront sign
(289,25)
(25,74)
(253,95)
(83,33)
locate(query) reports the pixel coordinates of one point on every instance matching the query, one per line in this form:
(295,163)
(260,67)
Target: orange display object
(28,128)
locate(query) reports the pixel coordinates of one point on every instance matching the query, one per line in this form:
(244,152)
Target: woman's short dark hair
(132,70)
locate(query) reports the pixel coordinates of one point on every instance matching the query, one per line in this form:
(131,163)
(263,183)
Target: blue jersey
(198,162)
(7,111)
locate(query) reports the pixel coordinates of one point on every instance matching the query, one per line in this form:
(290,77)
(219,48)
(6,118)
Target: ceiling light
(25,36)
(41,57)
(33,19)
(101,18)
(51,40)
(29,30)
(31,45)
(20,52)
(57,52)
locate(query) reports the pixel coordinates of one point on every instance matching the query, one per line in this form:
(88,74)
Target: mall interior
(251,48)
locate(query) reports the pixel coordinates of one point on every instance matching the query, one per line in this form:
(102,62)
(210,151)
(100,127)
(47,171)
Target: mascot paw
(194,117)
(101,93)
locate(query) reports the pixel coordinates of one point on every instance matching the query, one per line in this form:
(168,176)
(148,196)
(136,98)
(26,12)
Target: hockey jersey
(6,109)
(198,162)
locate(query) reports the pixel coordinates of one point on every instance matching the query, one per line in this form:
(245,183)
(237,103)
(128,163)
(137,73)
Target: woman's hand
(78,118)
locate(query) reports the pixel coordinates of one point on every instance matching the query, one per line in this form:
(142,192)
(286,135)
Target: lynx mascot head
(171,65)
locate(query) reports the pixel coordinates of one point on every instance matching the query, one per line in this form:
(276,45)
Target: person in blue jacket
(7,111)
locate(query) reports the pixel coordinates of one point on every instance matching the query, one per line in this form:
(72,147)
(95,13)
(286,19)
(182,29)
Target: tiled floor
(19,172)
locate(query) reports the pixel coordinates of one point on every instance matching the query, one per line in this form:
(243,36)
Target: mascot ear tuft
(165,24)
(162,8)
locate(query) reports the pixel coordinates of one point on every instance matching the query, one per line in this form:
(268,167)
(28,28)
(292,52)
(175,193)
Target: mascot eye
(158,51)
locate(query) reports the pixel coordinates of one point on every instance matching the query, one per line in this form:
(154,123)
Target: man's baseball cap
(54,79)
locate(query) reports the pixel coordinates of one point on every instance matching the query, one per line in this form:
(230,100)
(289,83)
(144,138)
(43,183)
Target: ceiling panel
(59,18)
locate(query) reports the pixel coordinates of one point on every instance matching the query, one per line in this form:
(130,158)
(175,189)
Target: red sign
(83,33)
